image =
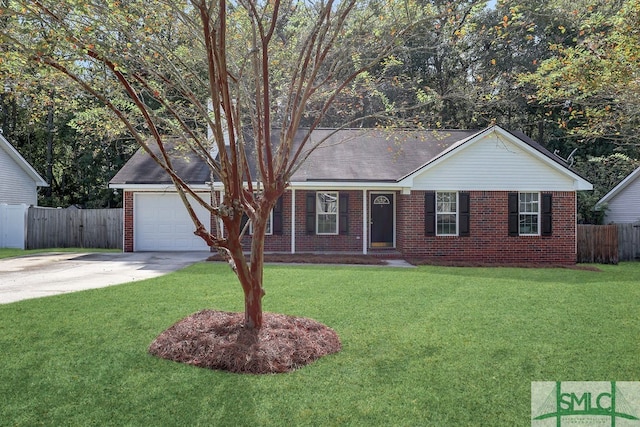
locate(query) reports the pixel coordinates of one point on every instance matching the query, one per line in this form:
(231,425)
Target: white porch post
(365,223)
(293,221)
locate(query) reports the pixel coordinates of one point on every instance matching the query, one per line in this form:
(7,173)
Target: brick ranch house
(490,196)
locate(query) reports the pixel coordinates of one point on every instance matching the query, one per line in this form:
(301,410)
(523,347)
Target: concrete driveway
(41,275)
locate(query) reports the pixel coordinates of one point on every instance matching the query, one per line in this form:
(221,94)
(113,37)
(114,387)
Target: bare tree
(220,76)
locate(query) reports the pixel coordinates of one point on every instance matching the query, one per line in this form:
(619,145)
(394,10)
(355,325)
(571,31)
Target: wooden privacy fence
(598,243)
(608,244)
(74,228)
(628,242)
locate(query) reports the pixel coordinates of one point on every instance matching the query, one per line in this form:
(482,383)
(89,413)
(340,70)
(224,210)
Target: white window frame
(529,213)
(269,225)
(442,213)
(320,213)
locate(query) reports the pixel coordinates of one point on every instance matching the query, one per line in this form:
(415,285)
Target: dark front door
(381,208)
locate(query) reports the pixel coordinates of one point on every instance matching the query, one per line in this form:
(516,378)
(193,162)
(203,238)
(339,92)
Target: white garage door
(161,223)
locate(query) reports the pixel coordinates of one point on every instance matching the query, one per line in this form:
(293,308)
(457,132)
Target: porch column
(365,223)
(293,221)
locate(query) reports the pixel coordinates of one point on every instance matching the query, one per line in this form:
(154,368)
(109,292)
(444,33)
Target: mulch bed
(218,340)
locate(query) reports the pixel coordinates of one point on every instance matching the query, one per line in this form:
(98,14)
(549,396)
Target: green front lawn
(430,346)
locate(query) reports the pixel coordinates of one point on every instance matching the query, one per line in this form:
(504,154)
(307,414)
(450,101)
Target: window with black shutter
(343,207)
(311,212)
(546,218)
(430,213)
(243,223)
(530,214)
(327,213)
(514,213)
(277,217)
(464,214)
(274,222)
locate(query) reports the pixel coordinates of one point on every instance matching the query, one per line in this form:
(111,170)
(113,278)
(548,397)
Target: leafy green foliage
(46,119)
(592,86)
(604,172)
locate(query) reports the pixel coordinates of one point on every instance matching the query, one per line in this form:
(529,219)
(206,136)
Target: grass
(430,346)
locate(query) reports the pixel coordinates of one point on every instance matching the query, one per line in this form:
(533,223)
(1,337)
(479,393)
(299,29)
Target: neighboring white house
(622,203)
(19,184)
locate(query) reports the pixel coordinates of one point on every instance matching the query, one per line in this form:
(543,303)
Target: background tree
(168,69)
(589,91)
(62,134)
(593,85)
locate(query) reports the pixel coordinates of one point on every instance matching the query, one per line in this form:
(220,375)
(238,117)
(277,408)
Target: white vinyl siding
(17,186)
(493,164)
(624,207)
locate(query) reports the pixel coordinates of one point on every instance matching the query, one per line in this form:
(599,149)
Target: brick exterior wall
(349,242)
(489,240)
(127,205)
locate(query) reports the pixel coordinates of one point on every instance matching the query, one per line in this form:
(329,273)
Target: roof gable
(15,156)
(495,159)
(631,179)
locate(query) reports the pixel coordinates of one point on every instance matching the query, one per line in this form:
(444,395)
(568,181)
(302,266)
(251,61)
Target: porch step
(385,253)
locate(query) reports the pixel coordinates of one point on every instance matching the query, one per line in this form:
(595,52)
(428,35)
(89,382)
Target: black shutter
(343,213)
(464,212)
(276,227)
(243,222)
(311,213)
(514,214)
(546,214)
(430,213)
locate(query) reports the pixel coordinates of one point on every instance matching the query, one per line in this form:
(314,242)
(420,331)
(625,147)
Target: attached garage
(161,223)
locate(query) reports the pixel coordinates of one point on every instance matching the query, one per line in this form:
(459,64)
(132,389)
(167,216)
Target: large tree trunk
(253,298)
(253,306)
(252,288)
(250,273)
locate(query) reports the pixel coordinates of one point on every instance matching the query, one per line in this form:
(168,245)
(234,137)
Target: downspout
(365,223)
(293,221)
(575,226)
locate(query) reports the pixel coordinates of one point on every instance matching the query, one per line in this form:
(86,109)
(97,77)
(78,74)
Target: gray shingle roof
(374,155)
(356,155)
(142,169)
